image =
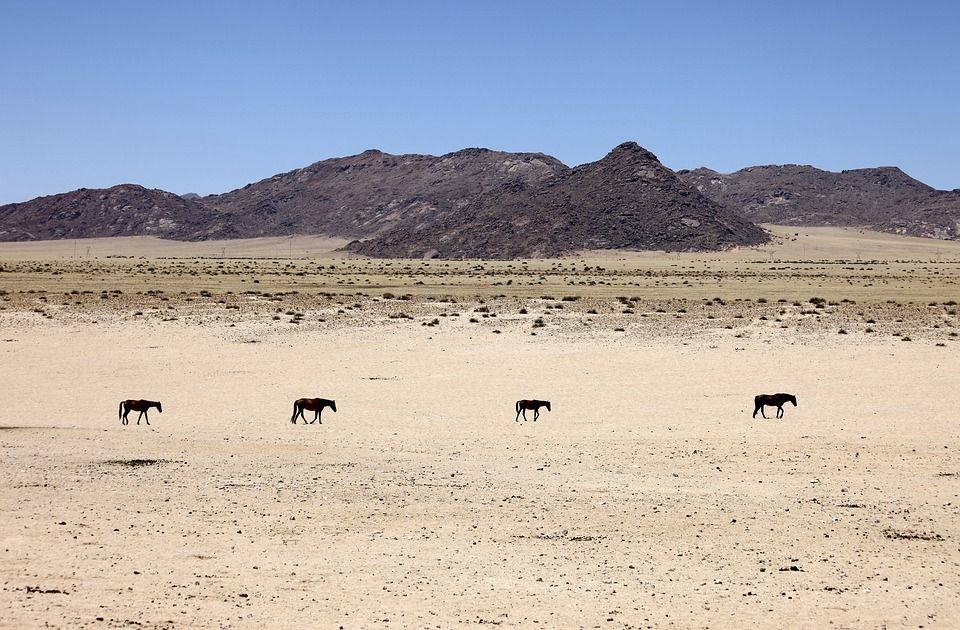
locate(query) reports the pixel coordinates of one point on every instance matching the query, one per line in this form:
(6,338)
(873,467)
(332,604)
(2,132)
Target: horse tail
(120,412)
(293,418)
(518,406)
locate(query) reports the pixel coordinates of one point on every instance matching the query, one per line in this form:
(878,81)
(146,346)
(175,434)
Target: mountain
(483,203)
(884,199)
(470,203)
(627,200)
(373,192)
(123,210)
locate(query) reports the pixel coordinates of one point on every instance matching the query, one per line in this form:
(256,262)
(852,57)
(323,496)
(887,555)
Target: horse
(772,400)
(523,405)
(142,406)
(311,404)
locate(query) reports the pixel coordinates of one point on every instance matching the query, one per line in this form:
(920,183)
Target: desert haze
(646,497)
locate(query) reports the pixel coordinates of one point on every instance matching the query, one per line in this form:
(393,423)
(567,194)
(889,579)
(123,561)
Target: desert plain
(647,497)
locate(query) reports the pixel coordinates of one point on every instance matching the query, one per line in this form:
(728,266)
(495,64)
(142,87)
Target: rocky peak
(630,151)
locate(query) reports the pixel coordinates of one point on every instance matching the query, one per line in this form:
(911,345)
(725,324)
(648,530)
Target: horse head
(547,403)
(333,405)
(159,408)
(793,399)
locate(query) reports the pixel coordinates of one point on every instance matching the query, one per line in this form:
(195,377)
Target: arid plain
(647,497)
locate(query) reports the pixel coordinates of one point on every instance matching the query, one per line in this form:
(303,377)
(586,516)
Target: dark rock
(473,203)
(884,199)
(627,200)
(124,210)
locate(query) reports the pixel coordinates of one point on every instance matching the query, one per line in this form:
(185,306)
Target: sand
(647,497)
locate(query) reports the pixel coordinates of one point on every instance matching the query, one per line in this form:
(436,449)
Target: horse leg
(319,413)
(780,411)
(536,414)
(762,413)
(146,417)
(758,408)
(517,419)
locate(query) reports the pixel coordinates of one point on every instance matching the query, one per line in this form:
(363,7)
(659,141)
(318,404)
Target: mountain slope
(627,200)
(470,203)
(369,193)
(885,198)
(124,210)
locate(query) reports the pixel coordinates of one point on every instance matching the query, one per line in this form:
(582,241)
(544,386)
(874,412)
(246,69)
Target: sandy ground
(153,247)
(647,497)
(789,242)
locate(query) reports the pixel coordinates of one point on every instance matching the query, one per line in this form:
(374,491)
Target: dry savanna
(648,496)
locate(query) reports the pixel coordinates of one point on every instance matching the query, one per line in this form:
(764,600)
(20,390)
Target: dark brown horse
(772,400)
(523,405)
(311,404)
(138,405)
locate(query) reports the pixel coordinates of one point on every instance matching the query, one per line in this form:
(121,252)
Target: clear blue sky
(208,96)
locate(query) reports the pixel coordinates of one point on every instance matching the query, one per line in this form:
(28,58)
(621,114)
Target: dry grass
(834,264)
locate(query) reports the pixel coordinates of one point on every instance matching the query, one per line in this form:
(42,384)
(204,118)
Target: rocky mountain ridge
(124,210)
(469,203)
(627,200)
(884,198)
(479,203)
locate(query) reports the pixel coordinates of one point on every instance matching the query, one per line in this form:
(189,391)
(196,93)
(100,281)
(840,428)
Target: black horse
(311,404)
(523,405)
(772,400)
(142,406)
